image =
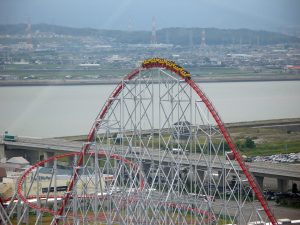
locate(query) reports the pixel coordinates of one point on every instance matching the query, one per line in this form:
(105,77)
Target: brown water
(51,111)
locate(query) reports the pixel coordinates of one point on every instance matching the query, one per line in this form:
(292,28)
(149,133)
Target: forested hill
(176,36)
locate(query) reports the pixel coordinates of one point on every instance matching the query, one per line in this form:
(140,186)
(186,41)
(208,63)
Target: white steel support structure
(155,155)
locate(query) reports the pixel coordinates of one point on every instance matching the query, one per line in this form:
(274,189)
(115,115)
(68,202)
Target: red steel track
(228,139)
(26,199)
(91,136)
(102,114)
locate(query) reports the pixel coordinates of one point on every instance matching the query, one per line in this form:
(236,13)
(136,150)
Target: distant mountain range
(175,36)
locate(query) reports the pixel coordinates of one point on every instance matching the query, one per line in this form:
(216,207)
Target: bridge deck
(279,170)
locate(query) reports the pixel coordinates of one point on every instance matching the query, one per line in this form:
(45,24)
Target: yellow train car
(152,62)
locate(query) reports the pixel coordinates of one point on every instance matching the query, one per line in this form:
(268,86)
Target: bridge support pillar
(199,175)
(260,181)
(196,174)
(2,152)
(166,169)
(146,168)
(46,156)
(282,185)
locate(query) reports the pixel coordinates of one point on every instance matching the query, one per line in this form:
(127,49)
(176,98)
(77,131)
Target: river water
(52,111)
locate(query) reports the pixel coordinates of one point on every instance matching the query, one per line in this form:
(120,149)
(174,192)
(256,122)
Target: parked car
(179,151)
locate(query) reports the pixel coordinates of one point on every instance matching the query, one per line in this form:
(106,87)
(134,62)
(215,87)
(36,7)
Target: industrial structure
(157,153)
(203,43)
(153,32)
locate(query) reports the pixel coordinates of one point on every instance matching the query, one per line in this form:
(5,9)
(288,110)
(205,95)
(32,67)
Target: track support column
(282,185)
(260,181)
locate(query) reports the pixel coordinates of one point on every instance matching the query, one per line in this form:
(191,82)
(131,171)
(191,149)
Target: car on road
(179,151)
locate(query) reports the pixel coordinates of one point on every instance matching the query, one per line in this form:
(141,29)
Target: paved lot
(284,212)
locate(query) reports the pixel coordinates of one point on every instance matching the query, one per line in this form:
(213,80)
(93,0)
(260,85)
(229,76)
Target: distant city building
(203,41)
(292,69)
(116,58)
(153,34)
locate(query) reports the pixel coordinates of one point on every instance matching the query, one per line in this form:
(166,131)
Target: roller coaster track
(185,76)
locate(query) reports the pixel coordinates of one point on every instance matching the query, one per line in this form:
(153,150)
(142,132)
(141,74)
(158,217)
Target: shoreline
(246,124)
(14,83)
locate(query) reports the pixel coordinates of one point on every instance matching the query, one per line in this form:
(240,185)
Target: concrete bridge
(35,150)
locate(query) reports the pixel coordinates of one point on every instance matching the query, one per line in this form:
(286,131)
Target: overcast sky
(137,14)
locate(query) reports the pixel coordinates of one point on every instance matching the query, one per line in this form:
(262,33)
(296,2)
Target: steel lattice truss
(155,155)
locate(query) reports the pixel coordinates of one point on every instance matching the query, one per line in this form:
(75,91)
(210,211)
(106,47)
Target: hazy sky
(118,14)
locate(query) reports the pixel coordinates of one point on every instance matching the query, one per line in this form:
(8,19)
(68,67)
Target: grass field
(277,137)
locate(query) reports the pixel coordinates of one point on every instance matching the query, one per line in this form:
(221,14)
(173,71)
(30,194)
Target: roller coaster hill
(140,180)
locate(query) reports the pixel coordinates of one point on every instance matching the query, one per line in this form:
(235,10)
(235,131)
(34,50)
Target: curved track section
(91,135)
(26,199)
(183,74)
(33,201)
(162,63)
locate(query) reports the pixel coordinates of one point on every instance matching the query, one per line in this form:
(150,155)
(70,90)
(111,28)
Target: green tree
(249,143)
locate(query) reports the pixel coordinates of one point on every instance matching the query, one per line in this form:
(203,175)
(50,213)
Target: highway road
(263,169)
